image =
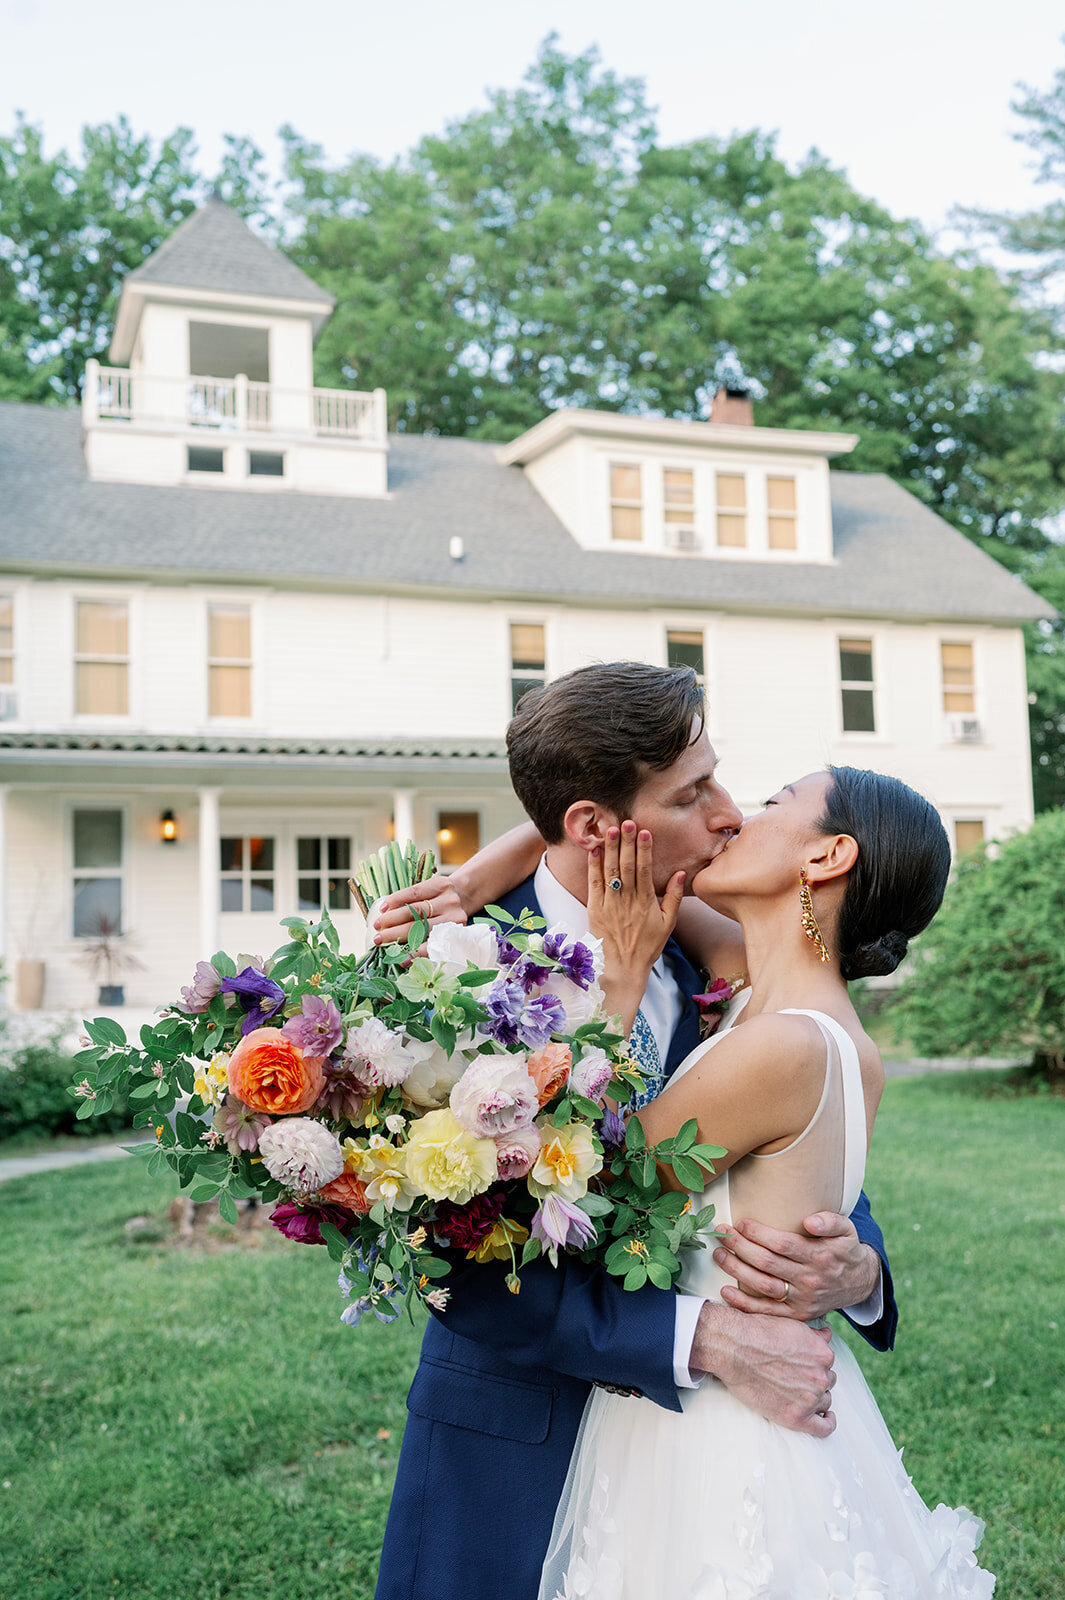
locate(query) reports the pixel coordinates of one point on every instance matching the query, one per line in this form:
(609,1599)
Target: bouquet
(401,1107)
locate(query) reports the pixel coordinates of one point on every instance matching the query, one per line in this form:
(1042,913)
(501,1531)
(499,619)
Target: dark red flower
(464,1227)
(304,1223)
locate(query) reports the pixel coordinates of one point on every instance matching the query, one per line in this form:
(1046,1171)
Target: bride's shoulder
(775,1043)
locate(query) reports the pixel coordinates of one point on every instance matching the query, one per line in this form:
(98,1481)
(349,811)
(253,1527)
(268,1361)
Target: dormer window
(732,510)
(626,503)
(783,514)
(678,496)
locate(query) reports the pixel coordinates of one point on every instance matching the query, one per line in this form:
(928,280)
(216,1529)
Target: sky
(912,97)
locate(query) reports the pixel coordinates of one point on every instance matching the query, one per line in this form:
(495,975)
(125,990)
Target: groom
(502,1383)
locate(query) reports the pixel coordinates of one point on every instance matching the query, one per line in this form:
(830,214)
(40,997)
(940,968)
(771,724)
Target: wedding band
(615,884)
(428,910)
(784,1296)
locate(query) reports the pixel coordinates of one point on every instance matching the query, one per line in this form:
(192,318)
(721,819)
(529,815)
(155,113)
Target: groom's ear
(834,859)
(585,824)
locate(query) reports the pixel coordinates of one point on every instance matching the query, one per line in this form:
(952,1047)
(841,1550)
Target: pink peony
(495,1096)
(516,1152)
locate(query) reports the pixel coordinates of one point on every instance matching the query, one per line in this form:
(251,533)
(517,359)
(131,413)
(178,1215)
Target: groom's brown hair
(595,734)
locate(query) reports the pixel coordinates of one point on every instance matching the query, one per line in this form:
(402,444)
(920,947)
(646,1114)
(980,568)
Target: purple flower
(612,1129)
(512,1019)
(238,1125)
(559,1223)
(508,953)
(318,1029)
(575,959)
(305,1224)
(258,995)
(197,995)
(382,1307)
(343,1095)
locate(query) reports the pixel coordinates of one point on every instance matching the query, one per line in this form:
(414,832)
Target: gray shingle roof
(484,753)
(215,249)
(895,557)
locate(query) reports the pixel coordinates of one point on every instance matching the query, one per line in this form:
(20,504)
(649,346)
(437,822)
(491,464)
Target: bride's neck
(784,966)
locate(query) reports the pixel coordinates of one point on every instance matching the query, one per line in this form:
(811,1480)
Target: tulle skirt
(719,1504)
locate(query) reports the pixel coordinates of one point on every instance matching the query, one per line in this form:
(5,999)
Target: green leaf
(531,1250)
(188,1129)
(224,964)
(635,1278)
(685,1137)
(104,1030)
(689,1173)
(475,977)
(227,1208)
(659,1275)
(334,1241)
(635,1138)
(145,1091)
(203,1191)
(433,1268)
(596,1205)
(86,1110)
(86,1058)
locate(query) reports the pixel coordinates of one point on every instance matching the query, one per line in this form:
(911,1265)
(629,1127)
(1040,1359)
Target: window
(783,514)
(678,494)
(528,662)
(101,668)
(732,510)
(323,868)
(968,834)
(959,686)
(626,503)
(229,661)
(247,867)
(266,464)
(97,873)
(685,649)
(458,836)
(856,685)
(201,458)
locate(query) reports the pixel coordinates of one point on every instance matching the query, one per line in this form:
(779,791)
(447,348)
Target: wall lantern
(444,835)
(168,828)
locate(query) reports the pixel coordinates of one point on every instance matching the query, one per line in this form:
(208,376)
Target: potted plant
(108,957)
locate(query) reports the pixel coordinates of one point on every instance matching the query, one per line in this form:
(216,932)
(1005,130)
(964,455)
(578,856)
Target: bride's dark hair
(896,885)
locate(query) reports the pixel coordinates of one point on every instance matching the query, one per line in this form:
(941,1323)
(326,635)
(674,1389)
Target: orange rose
(549,1068)
(269,1073)
(347,1190)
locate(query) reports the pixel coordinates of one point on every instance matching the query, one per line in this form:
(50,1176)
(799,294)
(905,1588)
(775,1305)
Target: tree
(990,971)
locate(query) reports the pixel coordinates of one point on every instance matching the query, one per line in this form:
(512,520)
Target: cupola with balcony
(212,375)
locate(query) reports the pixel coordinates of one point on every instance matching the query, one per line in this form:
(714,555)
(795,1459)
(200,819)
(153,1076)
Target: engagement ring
(615,884)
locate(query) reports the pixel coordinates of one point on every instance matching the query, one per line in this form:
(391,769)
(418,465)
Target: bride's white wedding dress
(716,1503)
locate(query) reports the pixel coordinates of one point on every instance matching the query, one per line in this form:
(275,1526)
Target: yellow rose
(445,1162)
(567,1159)
(505,1240)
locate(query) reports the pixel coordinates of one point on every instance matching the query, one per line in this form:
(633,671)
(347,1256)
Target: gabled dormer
(212,375)
(719,490)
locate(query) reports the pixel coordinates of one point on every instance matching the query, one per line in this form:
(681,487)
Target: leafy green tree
(71,230)
(990,973)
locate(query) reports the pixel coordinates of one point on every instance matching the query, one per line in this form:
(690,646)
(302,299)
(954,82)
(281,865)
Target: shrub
(35,1076)
(990,973)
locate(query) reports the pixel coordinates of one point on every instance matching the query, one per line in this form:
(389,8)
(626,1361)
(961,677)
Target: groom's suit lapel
(684,975)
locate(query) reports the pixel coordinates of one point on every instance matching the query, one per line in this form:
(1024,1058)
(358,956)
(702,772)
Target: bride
(717,1503)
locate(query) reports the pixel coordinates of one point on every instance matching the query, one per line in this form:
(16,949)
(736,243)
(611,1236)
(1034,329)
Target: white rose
(454,945)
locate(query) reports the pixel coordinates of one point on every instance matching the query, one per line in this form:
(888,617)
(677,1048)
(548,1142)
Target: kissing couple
(705,1443)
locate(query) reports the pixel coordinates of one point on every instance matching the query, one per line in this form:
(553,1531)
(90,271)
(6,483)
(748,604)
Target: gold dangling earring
(809,921)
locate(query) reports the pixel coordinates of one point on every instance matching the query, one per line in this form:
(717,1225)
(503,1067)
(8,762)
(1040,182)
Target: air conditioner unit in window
(8,705)
(681,538)
(965,730)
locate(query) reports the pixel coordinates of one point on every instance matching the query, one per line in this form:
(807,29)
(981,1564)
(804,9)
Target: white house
(245,635)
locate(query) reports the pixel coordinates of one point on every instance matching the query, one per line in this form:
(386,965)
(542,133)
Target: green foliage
(990,974)
(34,1094)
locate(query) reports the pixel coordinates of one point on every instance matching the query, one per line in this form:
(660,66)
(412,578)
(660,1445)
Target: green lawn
(186,1423)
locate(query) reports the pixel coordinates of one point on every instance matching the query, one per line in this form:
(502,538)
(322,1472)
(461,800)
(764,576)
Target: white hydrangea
(300,1153)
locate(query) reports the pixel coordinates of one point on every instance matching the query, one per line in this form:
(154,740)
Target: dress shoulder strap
(855,1135)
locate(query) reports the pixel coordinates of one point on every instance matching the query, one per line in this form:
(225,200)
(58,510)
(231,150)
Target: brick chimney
(733,406)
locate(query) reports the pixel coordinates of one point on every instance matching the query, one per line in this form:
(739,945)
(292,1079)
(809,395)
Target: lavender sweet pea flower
(508,953)
(197,995)
(575,959)
(559,1223)
(319,1028)
(612,1129)
(514,1020)
(258,995)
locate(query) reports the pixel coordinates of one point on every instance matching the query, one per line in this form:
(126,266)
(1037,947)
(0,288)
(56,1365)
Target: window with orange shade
(229,660)
(101,663)
(626,503)
(731,510)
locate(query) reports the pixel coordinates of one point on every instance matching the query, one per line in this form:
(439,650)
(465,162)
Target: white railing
(114,394)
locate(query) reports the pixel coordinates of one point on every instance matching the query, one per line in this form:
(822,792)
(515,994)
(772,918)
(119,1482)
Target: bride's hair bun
(877,959)
(896,884)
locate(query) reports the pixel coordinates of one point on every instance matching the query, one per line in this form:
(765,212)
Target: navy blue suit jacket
(501,1386)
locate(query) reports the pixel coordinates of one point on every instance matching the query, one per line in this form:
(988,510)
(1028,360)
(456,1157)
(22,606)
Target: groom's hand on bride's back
(781,1369)
(801,1276)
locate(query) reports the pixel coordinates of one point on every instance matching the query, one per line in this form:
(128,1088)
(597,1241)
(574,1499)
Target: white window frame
(733,550)
(285,826)
(638,505)
(791,516)
(83,596)
(103,802)
(674,627)
(254,602)
(323,873)
(532,678)
(842,684)
(231,661)
(693,545)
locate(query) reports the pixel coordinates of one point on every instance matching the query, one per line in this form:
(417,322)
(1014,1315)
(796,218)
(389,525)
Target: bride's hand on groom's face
(623,908)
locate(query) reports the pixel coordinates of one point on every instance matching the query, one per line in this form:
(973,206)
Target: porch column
(209,865)
(403,814)
(5,996)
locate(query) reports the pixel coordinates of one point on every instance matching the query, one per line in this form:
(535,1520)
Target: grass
(178,1422)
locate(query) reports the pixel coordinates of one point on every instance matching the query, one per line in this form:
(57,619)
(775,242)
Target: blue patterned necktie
(644,1051)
